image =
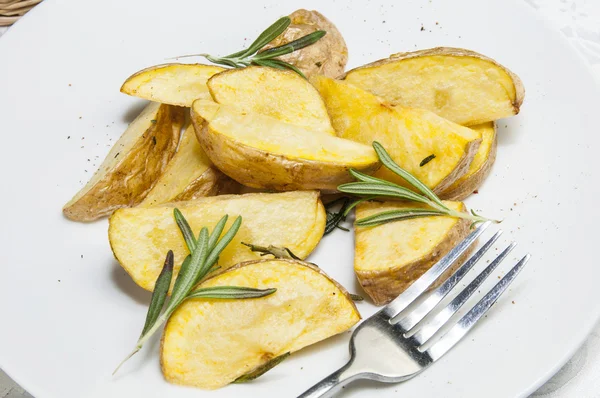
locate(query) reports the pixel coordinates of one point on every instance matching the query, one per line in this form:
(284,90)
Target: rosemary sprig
(335,218)
(204,253)
(275,251)
(261,370)
(254,56)
(368,188)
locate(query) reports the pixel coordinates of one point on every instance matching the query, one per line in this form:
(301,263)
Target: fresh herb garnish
(275,251)
(204,253)
(356,297)
(253,56)
(369,187)
(335,218)
(427,160)
(262,369)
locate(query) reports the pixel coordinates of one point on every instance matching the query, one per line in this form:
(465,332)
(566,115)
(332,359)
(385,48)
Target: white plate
(69,313)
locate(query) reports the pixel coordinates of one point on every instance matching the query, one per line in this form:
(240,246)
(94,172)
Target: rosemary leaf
(356,297)
(262,369)
(334,219)
(427,160)
(216,233)
(292,46)
(367,178)
(285,65)
(412,180)
(230,292)
(267,36)
(269,62)
(186,279)
(356,203)
(396,215)
(161,288)
(220,246)
(275,251)
(186,231)
(376,189)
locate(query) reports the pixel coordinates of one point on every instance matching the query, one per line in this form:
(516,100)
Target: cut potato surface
(480,166)
(262,152)
(282,94)
(174,84)
(132,166)
(141,237)
(326,57)
(211,343)
(189,175)
(460,85)
(409,135)
(388,258)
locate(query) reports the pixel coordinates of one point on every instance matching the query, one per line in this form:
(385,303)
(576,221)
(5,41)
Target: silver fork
(396,344)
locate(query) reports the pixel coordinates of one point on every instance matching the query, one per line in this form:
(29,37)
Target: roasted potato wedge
(390,257)
(140,237)
(460,85)
(281,94)
(132,166)
(262,152)
(189,175)
(326,57)
(174,84)
(211,343)
(479,168)
(409,135)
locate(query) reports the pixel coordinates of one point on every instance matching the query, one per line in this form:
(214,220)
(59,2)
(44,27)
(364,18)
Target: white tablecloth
(579,20)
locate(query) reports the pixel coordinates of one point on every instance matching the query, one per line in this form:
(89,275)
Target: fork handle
(333,383)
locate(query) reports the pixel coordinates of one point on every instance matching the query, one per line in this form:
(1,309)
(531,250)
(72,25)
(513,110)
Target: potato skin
(269,171)
(130,180)
(326,57)
(451,51)
(212,182)
(385,285)
(462,189)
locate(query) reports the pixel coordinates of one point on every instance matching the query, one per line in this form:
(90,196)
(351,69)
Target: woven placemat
(12,10)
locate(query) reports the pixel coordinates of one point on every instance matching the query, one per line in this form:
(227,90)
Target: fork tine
(417,315)
(465,324)
(400,303)
(440,319)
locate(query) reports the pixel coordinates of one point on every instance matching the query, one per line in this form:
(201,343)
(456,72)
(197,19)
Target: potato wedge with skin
(141,237)
(460,85)
(210,343)
(326,57)
(132,166)
(189,175)
(479,168)
(174,84)
(281,94)
(409,135)
(388,258)
(262,152)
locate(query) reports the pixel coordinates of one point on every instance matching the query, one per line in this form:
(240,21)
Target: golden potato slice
(132,166)
(409,135)
(175,84)
(140,237)
(388,258)
(282,94)
(262,152)
(189,175)
(210,343)
(480,166)
(460,85)
(326,57)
